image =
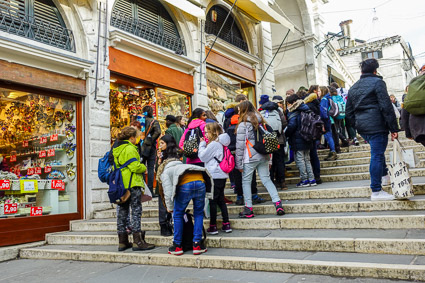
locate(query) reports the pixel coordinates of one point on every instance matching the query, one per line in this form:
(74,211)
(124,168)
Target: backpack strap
(216,159)
(131,160)
(150,126)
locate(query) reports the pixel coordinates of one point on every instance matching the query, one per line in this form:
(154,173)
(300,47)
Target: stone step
(277,240)
(362,146)
(383,266)
(358,154)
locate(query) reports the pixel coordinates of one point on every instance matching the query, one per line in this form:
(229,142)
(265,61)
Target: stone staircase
(332,229)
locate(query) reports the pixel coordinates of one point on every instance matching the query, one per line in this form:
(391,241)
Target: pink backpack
(228,162)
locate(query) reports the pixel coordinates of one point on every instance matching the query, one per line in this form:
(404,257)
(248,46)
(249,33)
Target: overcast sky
(395,17)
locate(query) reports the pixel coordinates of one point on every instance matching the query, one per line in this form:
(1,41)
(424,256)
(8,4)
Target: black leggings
(219,185)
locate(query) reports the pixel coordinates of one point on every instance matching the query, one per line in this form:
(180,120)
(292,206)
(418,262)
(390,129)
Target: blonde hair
(214,130)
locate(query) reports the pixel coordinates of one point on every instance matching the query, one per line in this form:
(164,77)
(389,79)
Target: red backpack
(227,164)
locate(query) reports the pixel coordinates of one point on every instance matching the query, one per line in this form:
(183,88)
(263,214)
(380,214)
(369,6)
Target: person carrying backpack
(179,184)
(124,150)
(248,159)
(298,144)
(212,154)
(192,135)
(327,119)
(338,120)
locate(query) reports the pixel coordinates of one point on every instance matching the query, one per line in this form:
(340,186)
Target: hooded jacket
(230,111)
(369,108)
(123,151)
(324,112)
(246,131)
(214,150)
(270,107)
(193,125)
(292,132)
(313,103)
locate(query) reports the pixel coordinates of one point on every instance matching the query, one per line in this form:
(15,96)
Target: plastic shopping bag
(147,195)
(401,182)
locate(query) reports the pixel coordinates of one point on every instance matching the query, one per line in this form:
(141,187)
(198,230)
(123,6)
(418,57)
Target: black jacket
(292,132)
(369,108)
(149,144)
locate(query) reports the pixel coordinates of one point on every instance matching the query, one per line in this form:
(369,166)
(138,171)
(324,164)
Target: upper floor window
(372,54)
(149,20)
(230,32)
(38,20)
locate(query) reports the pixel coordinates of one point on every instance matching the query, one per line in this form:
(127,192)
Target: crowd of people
(188,157)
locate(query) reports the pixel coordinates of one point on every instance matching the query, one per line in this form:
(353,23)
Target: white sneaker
(381,195)
(386,181)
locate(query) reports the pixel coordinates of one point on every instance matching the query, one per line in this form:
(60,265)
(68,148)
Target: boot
(139,243)
(283,186)
(165,230)
(332,156)
(123,242)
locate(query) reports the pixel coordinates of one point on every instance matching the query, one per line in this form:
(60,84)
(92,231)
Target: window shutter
(11,14)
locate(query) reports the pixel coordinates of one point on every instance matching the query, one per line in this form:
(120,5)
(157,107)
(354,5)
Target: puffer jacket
(294,127)
(193,125)
(230,111)
(369,107)
(313,103)
(270,107)
(170,176)
(213,152)
(123,151)
(246,130)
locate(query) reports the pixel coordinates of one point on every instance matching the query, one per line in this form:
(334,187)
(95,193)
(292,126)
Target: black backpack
(187,239)
(231,132)
(191,143)
(312,126)
(266,140)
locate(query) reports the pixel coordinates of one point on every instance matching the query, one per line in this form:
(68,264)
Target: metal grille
(37,29)
(148,32)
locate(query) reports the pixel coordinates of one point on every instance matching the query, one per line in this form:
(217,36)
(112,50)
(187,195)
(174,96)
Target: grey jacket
(242,155)
(170,179)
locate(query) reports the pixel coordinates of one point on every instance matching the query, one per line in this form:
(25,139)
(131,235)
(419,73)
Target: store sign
(43,140)
(38,170)
(51,152)
(30,171)
(29,186)
(58,185)
(25,144)
(10,208)
(4,185)
(47,169)
(42,154)
(54,137)
(36,211)
(13,158)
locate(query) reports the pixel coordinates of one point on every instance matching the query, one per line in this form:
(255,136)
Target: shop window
(372,54)
(171,103)
(38,20)
(38,153)
(149,20)
(230,32)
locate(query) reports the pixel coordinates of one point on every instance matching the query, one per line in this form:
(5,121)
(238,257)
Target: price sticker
(29,186)
(36,211)
(42,154)
(54,137)
(51,152)
(38,170)
(47,169)
(43,140)
(10,208)
(4,185)
(13,158)
(31,171)
(58,185)
(25,144)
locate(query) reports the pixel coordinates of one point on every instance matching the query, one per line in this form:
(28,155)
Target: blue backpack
(104,168)
(116,184)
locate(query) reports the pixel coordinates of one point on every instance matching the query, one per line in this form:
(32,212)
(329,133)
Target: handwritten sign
(29,186)
(36,211)
(51,152)
(30,171)
(25,144)
(43,140)
(13,158)
(47,169)
(4,185)
(58,185)
(42,154)
(10,208)
(54,137)
(38,170)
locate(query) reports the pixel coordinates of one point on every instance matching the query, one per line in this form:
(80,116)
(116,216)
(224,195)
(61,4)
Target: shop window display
(171,103)
(38,168)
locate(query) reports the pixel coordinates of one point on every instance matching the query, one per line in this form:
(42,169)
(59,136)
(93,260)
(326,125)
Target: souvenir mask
(70,171)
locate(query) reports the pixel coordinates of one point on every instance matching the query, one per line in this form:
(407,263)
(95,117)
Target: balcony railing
(148,32)
(37,29)
(228,37)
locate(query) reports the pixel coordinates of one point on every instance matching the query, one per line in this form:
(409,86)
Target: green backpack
(414,102)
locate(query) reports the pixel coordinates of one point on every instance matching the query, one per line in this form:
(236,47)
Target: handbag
(401,182)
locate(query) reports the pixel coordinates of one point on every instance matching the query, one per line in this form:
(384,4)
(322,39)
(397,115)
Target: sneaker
(279,208)
(239,200)
(386,181)
(199,248)
(257,200)
(246,213)
(212,230)
(356,142)
(305,183)
(313,183)
(175,249)
(226,227)
(227,201)
(381,195)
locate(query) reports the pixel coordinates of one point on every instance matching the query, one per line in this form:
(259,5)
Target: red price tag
(13,158)
(25,144)
(38,170)
(51,152)
(42,154)
(43,140)
(36,211)
(47,169)
(10,208)
(54,137)
(4,185)
(30,171)
(58,185)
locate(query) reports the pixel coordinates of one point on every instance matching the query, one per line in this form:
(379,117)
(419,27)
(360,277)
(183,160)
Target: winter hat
(170,118)
(264,99)
(277,99)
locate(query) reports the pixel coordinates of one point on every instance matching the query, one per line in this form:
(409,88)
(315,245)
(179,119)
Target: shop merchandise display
(37,146)
(171,103)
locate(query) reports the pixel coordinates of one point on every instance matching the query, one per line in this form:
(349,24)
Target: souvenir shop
(40,153)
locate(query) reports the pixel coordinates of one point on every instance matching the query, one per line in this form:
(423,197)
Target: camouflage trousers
(123,216)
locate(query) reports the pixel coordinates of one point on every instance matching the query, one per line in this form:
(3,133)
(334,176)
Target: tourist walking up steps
(327,119)
(369,109)
(248,159)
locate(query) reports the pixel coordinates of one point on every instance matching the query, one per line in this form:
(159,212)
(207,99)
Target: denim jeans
(378,167)
(330,140)
(315,162)
(302,159)
(263,171)
(191,191)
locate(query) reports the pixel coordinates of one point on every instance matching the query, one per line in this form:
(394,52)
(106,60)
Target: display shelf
(34,140)
(37,152)
(53,167)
